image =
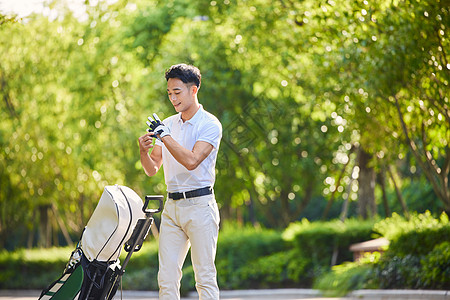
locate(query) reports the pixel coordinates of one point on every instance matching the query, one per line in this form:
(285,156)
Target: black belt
(191,194)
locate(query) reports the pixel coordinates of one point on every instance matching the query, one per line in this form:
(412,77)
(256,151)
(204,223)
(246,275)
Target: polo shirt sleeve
(211,133)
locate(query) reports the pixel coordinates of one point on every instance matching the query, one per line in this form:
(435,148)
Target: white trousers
(192,222)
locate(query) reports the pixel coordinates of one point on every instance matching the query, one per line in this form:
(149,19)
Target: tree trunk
(366,182)
(399,194)
(382,182)
(62,226)
(251,210)
(44,227)
(438,177)
(344,210)
(305,201)
(338,183)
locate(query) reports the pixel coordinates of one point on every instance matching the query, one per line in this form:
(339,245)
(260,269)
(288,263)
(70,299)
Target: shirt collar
(194,119)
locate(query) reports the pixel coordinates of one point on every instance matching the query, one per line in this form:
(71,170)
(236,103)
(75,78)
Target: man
(187,145)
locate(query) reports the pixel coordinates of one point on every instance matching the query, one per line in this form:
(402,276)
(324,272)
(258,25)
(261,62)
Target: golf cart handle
(159,198)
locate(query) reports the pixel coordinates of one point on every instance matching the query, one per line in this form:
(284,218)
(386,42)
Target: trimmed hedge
(416,236)
(395,272)
(279,270)
(250,257)
(321,240)
(238,246)
(37,268)
(242,245)
(417,258)
(142,270)
(29,269)
(436,267)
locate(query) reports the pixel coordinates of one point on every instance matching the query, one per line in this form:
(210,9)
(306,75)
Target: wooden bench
(376,245)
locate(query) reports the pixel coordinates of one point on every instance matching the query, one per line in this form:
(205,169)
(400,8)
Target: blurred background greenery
(330,110)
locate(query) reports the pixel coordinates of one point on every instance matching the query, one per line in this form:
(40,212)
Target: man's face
(180,94)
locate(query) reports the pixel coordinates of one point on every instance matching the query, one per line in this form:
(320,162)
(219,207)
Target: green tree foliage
(298,86)
(405,45)
(71,98)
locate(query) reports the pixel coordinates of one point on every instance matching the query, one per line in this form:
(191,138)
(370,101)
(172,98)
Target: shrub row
(250,257)
(418,254)
(418,258)
(257,258)
(322,240)
(31,269)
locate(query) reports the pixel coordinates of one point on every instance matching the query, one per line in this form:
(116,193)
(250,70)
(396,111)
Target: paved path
(277,294)
(280,294)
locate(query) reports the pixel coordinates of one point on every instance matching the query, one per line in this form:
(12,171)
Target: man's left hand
(158,127)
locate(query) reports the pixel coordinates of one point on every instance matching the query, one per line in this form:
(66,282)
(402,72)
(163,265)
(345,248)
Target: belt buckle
(184,195)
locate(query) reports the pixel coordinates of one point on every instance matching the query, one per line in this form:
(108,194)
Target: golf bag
(69,284)
(94,269)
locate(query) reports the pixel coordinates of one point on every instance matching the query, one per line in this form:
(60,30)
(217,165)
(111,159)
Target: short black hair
(186,73)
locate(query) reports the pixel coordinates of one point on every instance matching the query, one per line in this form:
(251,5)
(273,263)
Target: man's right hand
(146,142)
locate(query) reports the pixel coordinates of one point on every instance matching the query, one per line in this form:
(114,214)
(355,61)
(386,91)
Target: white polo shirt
(203,126)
